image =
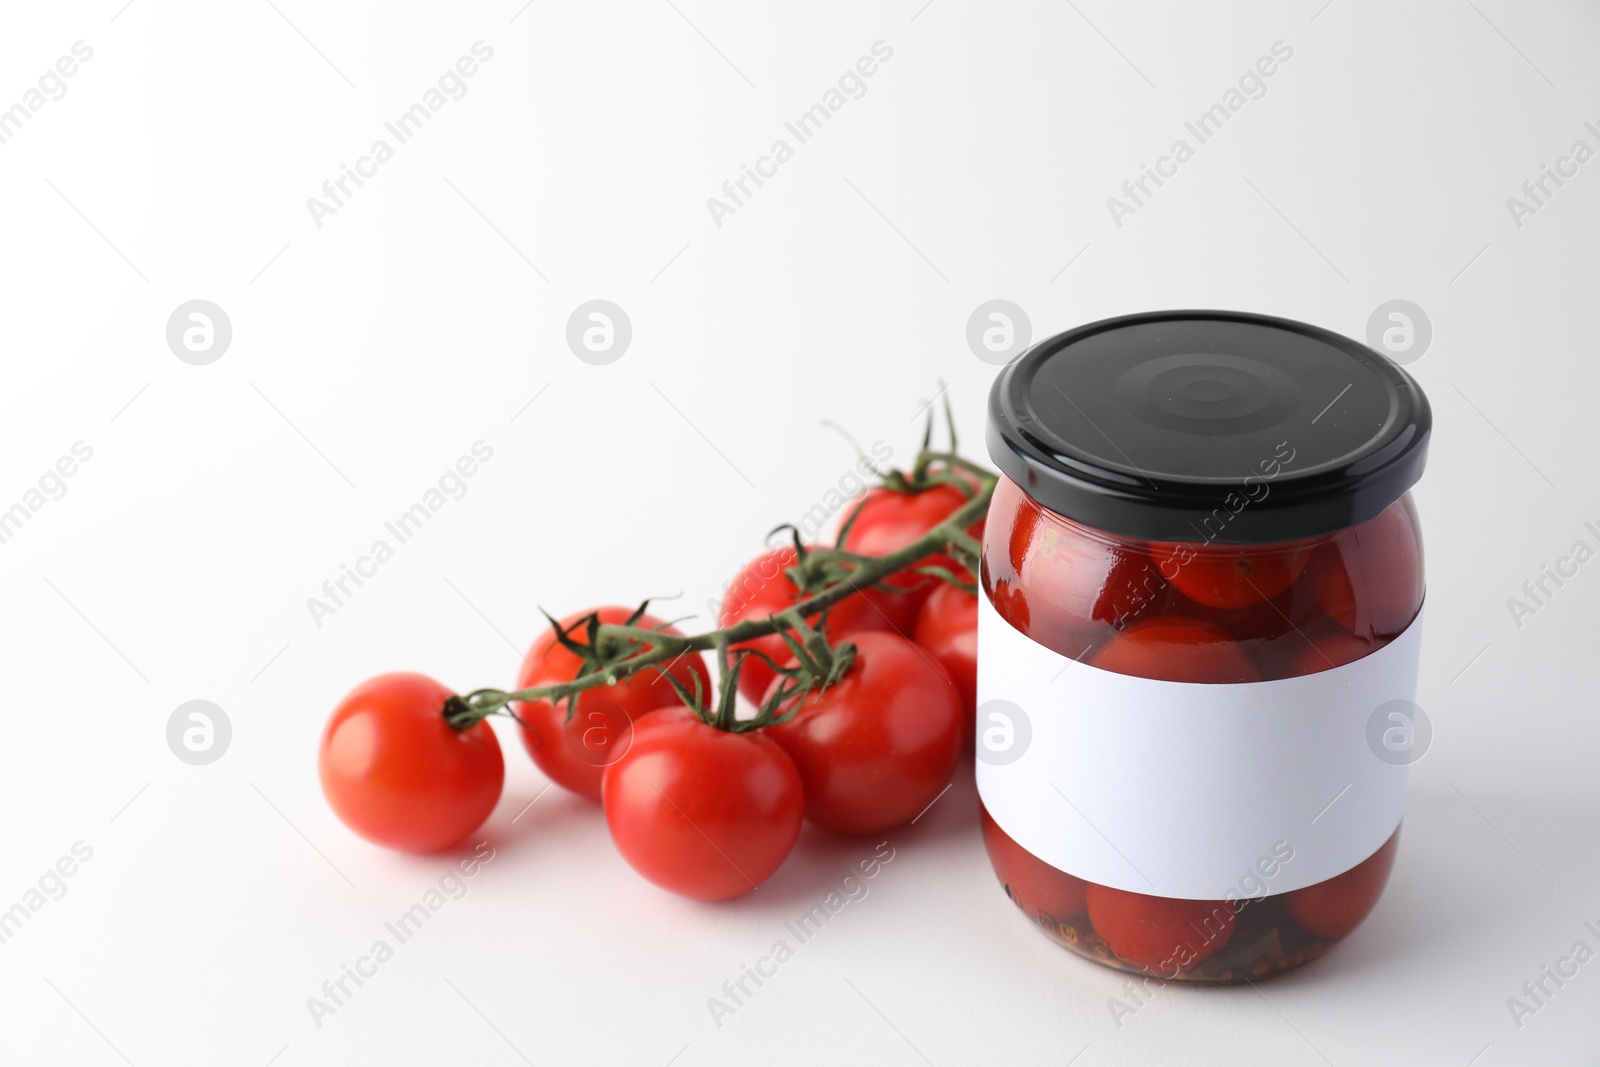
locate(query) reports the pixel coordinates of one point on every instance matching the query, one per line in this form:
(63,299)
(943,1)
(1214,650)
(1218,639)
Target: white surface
(1180,789)
(370,353)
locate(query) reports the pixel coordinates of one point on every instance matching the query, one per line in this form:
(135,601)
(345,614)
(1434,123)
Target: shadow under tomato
(529,820)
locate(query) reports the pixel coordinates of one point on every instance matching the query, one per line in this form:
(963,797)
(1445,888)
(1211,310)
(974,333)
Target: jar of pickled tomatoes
(1198,638)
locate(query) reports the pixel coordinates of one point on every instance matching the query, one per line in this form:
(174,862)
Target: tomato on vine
(396,772)
(574,751)
(947,626)
(612,704)
(880,744)
(763,587)
(889,518)
(703,812)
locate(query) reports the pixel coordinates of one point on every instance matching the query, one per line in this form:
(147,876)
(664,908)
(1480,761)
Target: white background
(369,353)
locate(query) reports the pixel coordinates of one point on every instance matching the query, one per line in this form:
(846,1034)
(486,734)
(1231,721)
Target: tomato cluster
(703,805)
(1202,612)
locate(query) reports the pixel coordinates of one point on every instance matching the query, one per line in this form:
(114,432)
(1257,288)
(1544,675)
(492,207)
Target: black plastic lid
(1146,425)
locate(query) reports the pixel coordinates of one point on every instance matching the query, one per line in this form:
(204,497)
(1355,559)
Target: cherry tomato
(574,753)
(947,626)
(887,519)
(1333,908)
(760,589)
(1084,578)
(702,812)
(1229,576)
(1177,650)
(1158,933)
(1040,890)
(877,747)
(1012,606)
(1326,652)
(1369,577)
(1081,587)
(1272,633)
(396,773)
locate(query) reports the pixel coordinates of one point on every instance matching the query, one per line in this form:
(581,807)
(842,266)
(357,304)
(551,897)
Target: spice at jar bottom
(1198,638)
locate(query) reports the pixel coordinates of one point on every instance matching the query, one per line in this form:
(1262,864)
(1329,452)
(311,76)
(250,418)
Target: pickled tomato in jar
(1202,586)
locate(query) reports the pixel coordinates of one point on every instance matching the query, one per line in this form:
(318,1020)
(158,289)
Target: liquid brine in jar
(1198,639)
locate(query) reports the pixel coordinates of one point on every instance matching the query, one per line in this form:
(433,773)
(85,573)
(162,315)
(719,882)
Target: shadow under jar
(1198,638)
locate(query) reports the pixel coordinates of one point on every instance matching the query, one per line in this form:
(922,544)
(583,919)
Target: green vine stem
(621,650)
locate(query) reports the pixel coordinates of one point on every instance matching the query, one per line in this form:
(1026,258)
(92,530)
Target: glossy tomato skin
(1066,586)
(1272,633)
(877,747)
(1332,909)
(761,588)
(886,520)
(574,753)
(396,773)
(1325,651)
(699,811)
(1177,650)
(1369,578)
(1049,897)
(1307,607)
(1230,576)
(947,626)
(1159,934)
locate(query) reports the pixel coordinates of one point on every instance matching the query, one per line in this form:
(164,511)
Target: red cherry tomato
(947,626)
(1160,934)
(702,812)
(878,746)
(999,566)
(396,773)
(1326,652)
(760,589)
(1271,633)
(1229,576)
(1333,908)
(1369,577)
(1082,577)
(1048,896)
(887,519)
(1081,587)
(574,753)
(1012,606)
(1177,650)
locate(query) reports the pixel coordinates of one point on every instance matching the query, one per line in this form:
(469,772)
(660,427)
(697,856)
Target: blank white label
(1183,789)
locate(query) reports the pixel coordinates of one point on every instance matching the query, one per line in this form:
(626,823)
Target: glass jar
(1198,638)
